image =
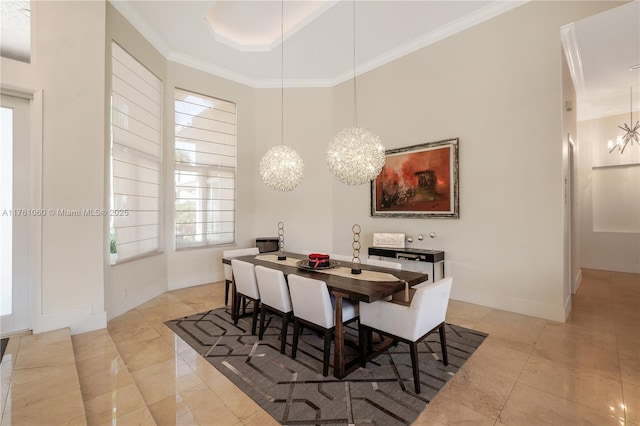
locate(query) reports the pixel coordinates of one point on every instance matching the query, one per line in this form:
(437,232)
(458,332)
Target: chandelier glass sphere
(282,168)
(355,156)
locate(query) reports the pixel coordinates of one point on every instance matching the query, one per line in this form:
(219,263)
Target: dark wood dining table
(353,288)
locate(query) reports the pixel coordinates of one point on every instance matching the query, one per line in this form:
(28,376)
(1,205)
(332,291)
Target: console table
(418,260)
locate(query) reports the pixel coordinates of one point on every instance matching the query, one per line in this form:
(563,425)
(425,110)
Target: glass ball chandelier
(282,168)
(355,155)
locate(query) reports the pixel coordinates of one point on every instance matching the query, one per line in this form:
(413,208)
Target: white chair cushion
(228,272)
(428,309)
(312,302)
(350,309)
(273,289)
(245,278)
(230,254)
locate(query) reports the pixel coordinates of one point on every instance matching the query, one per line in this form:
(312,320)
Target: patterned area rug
(294,391)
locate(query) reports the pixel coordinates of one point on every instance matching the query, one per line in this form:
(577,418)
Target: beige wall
(498,87)
(612,251)
(305,211)
(68,66)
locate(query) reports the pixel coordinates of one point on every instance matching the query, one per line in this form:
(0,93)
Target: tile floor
(529,371)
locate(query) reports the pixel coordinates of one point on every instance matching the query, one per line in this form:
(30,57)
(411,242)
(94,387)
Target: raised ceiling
(243,43)
(240,40)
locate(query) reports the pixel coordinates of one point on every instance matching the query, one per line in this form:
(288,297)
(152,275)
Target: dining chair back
(228,271)
(244,276)
(311,301)
(410,324)
(274,297)
(314,307)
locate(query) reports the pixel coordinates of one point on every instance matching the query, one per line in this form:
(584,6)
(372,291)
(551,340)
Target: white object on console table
(388,239)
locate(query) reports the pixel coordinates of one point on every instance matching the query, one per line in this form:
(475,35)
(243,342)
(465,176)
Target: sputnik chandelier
(631,133)
(282,168)
(355,155)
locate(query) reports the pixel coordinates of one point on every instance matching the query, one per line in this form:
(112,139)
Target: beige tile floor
(528,371)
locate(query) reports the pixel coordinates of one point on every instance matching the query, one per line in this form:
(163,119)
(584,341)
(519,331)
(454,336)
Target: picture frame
(419,181)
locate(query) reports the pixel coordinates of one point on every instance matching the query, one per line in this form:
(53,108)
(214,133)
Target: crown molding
(481,15)
(139,23)
(572,54)
(223,72)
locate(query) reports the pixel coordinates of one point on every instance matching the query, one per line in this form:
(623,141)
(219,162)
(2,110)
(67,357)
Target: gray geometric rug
(294,391)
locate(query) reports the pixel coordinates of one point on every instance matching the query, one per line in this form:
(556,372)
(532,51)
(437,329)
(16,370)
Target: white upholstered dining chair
(228,271)
(244,276)
(274,297)
(314,307)
(409,324)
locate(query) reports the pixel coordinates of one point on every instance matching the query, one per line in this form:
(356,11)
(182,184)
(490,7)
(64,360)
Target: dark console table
(413,259)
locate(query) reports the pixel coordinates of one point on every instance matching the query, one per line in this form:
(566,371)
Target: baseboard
(79,320)
(193,281)
(553,312)
(631,268)
(567,308)
(576,282)
(134,300)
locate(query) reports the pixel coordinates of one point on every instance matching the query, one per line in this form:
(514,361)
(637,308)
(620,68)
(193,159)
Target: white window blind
(205,170)
(136,146)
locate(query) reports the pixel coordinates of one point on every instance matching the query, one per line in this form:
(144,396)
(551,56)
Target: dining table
(371,284)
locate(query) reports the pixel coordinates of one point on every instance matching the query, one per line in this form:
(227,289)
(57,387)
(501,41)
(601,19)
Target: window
(205,170)
(136,146)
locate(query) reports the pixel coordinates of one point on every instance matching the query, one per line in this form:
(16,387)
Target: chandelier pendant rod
(282,72)
(355,92)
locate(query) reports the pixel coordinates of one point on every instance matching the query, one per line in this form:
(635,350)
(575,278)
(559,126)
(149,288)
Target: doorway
(15,214)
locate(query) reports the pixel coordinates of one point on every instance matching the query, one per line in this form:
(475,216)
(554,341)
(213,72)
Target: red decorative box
(318,260)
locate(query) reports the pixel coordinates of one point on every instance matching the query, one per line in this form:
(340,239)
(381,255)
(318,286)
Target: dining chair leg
(283,333)
(413,347)
(227,283)
(362,341)
(254,322)
(262,315)
(236,310)
(327,350)
(296,331)
(443,344)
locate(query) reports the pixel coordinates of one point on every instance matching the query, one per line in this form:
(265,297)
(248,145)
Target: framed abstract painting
(419,181)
